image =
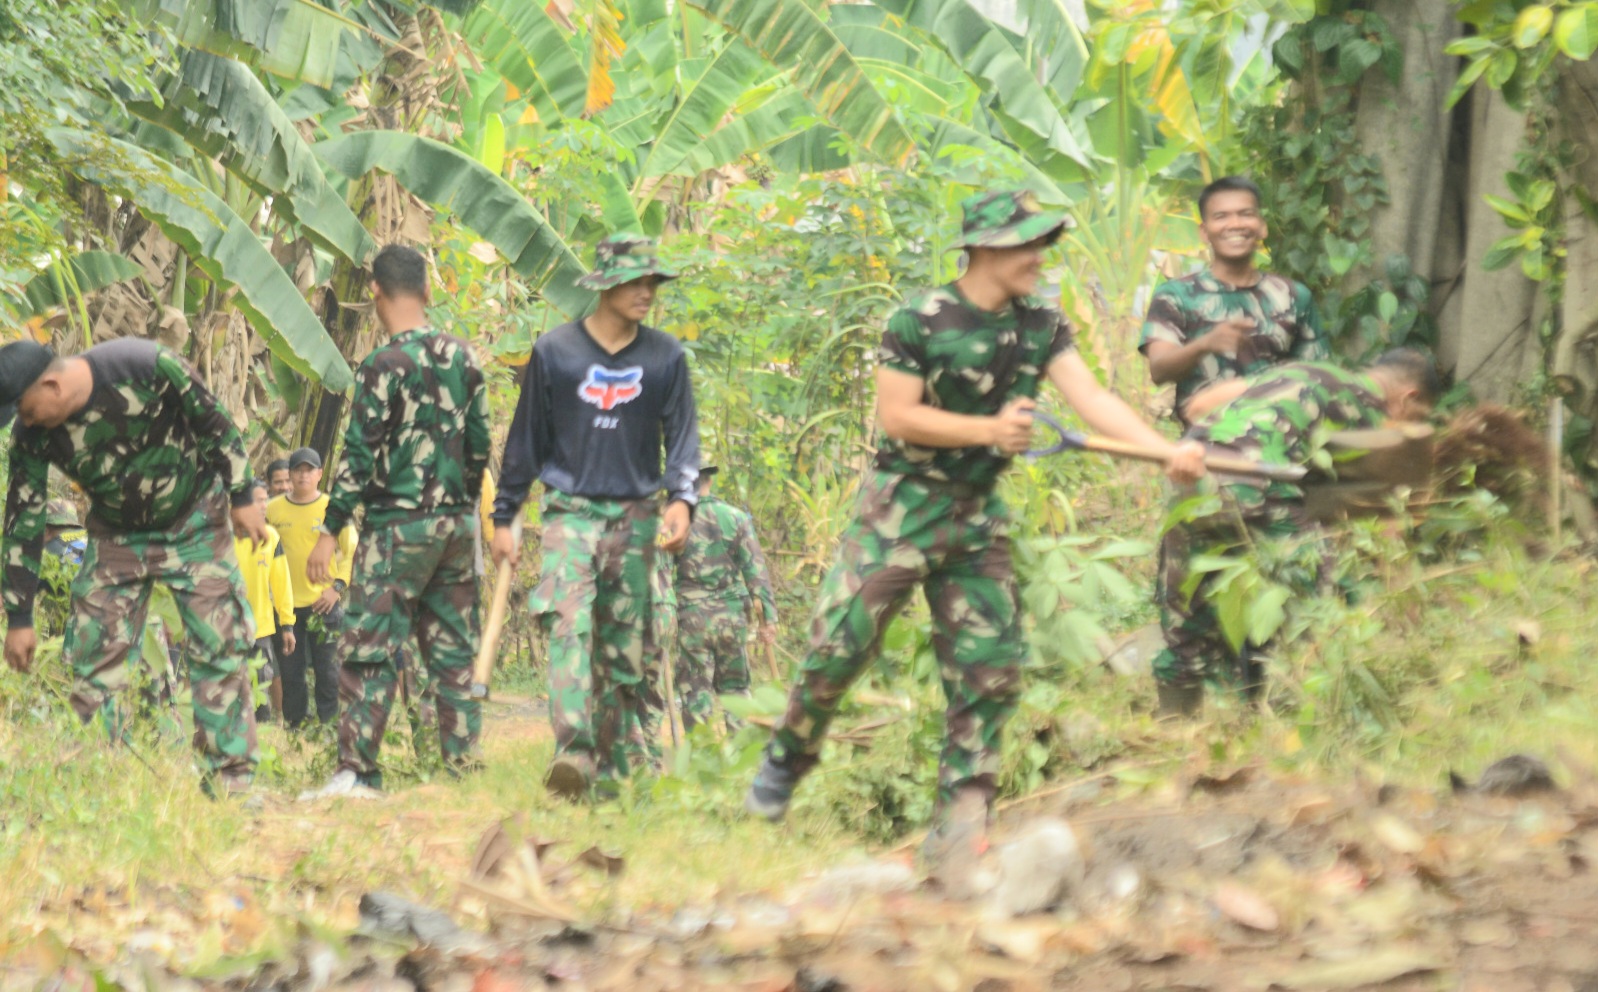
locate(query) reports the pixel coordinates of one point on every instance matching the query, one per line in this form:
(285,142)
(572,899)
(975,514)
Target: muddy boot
(1179,701)
(569,777)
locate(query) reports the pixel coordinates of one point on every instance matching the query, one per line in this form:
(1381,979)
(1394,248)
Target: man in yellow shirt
(277,478)
(317,611)
(271,597)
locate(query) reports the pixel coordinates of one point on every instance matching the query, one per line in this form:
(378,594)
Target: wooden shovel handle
(483,667)
(1216,463)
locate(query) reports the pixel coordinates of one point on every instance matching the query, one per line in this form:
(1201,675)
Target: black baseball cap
(706,471)
(304,456)
(21,364)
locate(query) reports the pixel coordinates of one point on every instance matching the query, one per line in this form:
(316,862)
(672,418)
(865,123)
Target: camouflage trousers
(410,576)
(711,658)
(1288,550)
(594,601)
(110,606)
(908,532)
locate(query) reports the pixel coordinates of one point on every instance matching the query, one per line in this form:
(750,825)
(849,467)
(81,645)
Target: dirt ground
(1221,878)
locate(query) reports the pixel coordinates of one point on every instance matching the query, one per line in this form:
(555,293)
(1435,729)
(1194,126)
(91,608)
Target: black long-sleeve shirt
(594,424)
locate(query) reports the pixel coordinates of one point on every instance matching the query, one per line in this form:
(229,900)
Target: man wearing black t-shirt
(602,399)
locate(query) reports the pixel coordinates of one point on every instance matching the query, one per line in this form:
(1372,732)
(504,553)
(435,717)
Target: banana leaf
(79,275)
(218,106)
(451,180)
(219,241)
(295,39)
(527,47)
(794,38)
(990,54)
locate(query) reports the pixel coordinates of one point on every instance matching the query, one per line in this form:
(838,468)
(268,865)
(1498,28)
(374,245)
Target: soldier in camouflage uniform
(414,456)
(1274,418)
(719,575)
(161,463)
(603,398)
(1231,319)
(959,367)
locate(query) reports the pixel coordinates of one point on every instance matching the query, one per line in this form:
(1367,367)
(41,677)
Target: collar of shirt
(1210,283)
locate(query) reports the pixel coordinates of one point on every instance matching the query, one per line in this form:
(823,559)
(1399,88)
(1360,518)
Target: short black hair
(281,465)
(400,270)
(1416,368)
(1229,184)
(259,483)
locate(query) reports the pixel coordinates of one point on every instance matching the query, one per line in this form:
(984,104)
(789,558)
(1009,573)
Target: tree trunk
(1574,362)
(400,95)
(1439,165)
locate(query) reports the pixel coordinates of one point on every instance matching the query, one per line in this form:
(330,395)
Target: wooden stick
(667,663)
(1216,463)
(483,667)
(770,651)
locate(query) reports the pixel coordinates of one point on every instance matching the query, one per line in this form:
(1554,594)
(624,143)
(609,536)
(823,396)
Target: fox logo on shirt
(610,388)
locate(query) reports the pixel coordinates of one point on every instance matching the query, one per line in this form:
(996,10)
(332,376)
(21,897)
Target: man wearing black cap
(161,462)
(318,614)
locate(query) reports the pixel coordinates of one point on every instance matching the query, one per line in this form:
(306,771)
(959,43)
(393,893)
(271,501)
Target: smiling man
(165,472)
(958,369)
(1231,319)
(603,398)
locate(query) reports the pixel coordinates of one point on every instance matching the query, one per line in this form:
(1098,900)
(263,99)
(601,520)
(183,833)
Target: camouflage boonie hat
(1007,220)
(60,513)
(622,258)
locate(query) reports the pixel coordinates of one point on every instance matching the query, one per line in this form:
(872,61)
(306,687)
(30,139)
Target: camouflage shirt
(150,441)
(974,361)
(1287,326)
(417,442)
(1282,418)
(722,560)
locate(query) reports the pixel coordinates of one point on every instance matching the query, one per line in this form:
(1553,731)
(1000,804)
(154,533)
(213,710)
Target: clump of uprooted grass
(1492,448)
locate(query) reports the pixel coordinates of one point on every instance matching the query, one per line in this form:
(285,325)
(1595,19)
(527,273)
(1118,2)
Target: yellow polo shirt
(266,582)
(297,523)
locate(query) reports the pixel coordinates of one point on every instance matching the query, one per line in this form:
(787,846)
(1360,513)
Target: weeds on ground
(1454,648)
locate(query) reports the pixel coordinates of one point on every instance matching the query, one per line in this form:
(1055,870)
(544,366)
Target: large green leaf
(219,106)
(76,276)
(529,49)
(945,134)
(991,55)
(218,241)
(1054,46)
(454,181)
(296,39)
(794,38)
(764,119)
(704,103)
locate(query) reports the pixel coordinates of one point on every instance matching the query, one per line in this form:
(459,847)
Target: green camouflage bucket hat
(1008,220)
(622,258)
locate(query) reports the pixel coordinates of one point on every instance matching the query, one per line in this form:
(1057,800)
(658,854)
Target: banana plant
(218,241)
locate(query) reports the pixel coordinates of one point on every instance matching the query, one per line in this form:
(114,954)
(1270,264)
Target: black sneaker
(771,791)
